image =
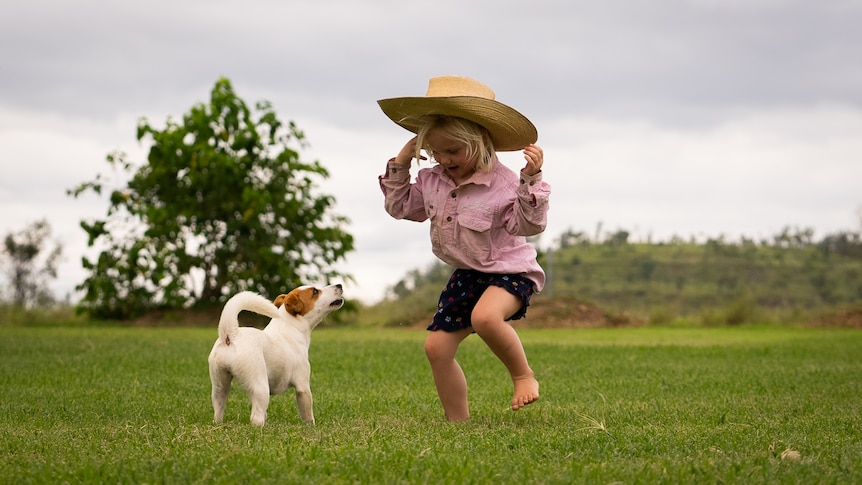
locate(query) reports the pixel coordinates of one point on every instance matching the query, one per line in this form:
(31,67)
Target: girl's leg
(488,319)
(440,348)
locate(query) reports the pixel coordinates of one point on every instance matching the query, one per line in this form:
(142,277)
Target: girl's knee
(442,346)
(483,320)
(434,349)
(430,348)
(492,309)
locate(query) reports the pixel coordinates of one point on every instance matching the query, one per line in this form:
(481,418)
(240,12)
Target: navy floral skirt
(463,291)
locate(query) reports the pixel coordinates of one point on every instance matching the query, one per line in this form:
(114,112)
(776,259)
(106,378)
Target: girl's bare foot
(526,391)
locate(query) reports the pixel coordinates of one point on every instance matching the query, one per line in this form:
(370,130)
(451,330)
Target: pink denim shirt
(481,224)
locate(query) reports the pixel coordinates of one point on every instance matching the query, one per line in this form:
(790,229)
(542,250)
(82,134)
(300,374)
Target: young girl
(480,213)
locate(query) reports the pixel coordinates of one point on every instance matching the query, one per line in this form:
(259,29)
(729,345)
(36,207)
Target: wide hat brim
(509,129)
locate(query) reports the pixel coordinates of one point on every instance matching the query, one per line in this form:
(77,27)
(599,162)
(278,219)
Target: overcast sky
(668,117)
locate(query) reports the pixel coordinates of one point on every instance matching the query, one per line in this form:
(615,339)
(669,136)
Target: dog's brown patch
(299,301)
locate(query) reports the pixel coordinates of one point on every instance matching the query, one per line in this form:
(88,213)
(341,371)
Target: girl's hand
(533,155)
(408,153)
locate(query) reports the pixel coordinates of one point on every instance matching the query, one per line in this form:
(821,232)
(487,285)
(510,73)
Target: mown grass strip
(649,405)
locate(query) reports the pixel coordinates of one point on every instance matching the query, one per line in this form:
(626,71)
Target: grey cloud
(628,59)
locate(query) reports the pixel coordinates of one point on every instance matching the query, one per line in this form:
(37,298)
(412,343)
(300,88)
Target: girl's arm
(402,199)
(530,213)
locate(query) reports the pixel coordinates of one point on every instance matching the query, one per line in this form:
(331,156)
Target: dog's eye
(315,291)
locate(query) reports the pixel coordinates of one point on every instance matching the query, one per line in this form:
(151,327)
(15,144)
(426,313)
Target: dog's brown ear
(293,303)
(279,300)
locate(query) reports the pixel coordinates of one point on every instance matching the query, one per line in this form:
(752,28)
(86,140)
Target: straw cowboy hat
(466,98)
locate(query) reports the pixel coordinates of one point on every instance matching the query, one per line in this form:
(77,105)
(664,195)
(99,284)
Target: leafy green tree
(29,264)
(222,204)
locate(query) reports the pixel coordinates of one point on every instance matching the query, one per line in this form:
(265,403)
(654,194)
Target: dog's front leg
(304,403)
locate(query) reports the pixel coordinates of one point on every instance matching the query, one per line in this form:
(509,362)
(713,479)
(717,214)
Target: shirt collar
(481,178)
(478,178)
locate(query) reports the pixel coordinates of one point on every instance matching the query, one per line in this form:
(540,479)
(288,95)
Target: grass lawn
(641,405)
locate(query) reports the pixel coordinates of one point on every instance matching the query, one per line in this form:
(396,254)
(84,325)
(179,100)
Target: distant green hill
(728,283)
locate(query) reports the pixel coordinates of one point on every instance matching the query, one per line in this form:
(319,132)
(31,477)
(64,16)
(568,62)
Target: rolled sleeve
(531,211)
(402,200)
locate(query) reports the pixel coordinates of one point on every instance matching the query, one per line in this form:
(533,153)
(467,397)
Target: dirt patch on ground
(850,318)
(571,313)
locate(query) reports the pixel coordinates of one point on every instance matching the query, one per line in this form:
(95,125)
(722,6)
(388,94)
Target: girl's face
(452,155)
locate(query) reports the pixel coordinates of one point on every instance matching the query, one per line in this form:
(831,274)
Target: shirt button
(522,182)
(449,219)
(454,195)
(394,170)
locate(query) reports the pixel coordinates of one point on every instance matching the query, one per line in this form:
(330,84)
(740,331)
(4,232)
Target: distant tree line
(785,276)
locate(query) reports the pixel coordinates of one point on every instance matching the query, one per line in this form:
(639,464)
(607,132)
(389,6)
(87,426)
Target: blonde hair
(473,135)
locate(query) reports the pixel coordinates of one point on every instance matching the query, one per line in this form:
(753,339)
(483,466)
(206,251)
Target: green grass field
(644,405)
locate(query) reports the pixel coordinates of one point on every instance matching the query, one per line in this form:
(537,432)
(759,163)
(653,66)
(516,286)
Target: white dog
(269,361)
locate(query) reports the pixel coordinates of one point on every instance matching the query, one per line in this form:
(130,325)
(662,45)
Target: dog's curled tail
(228,324)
